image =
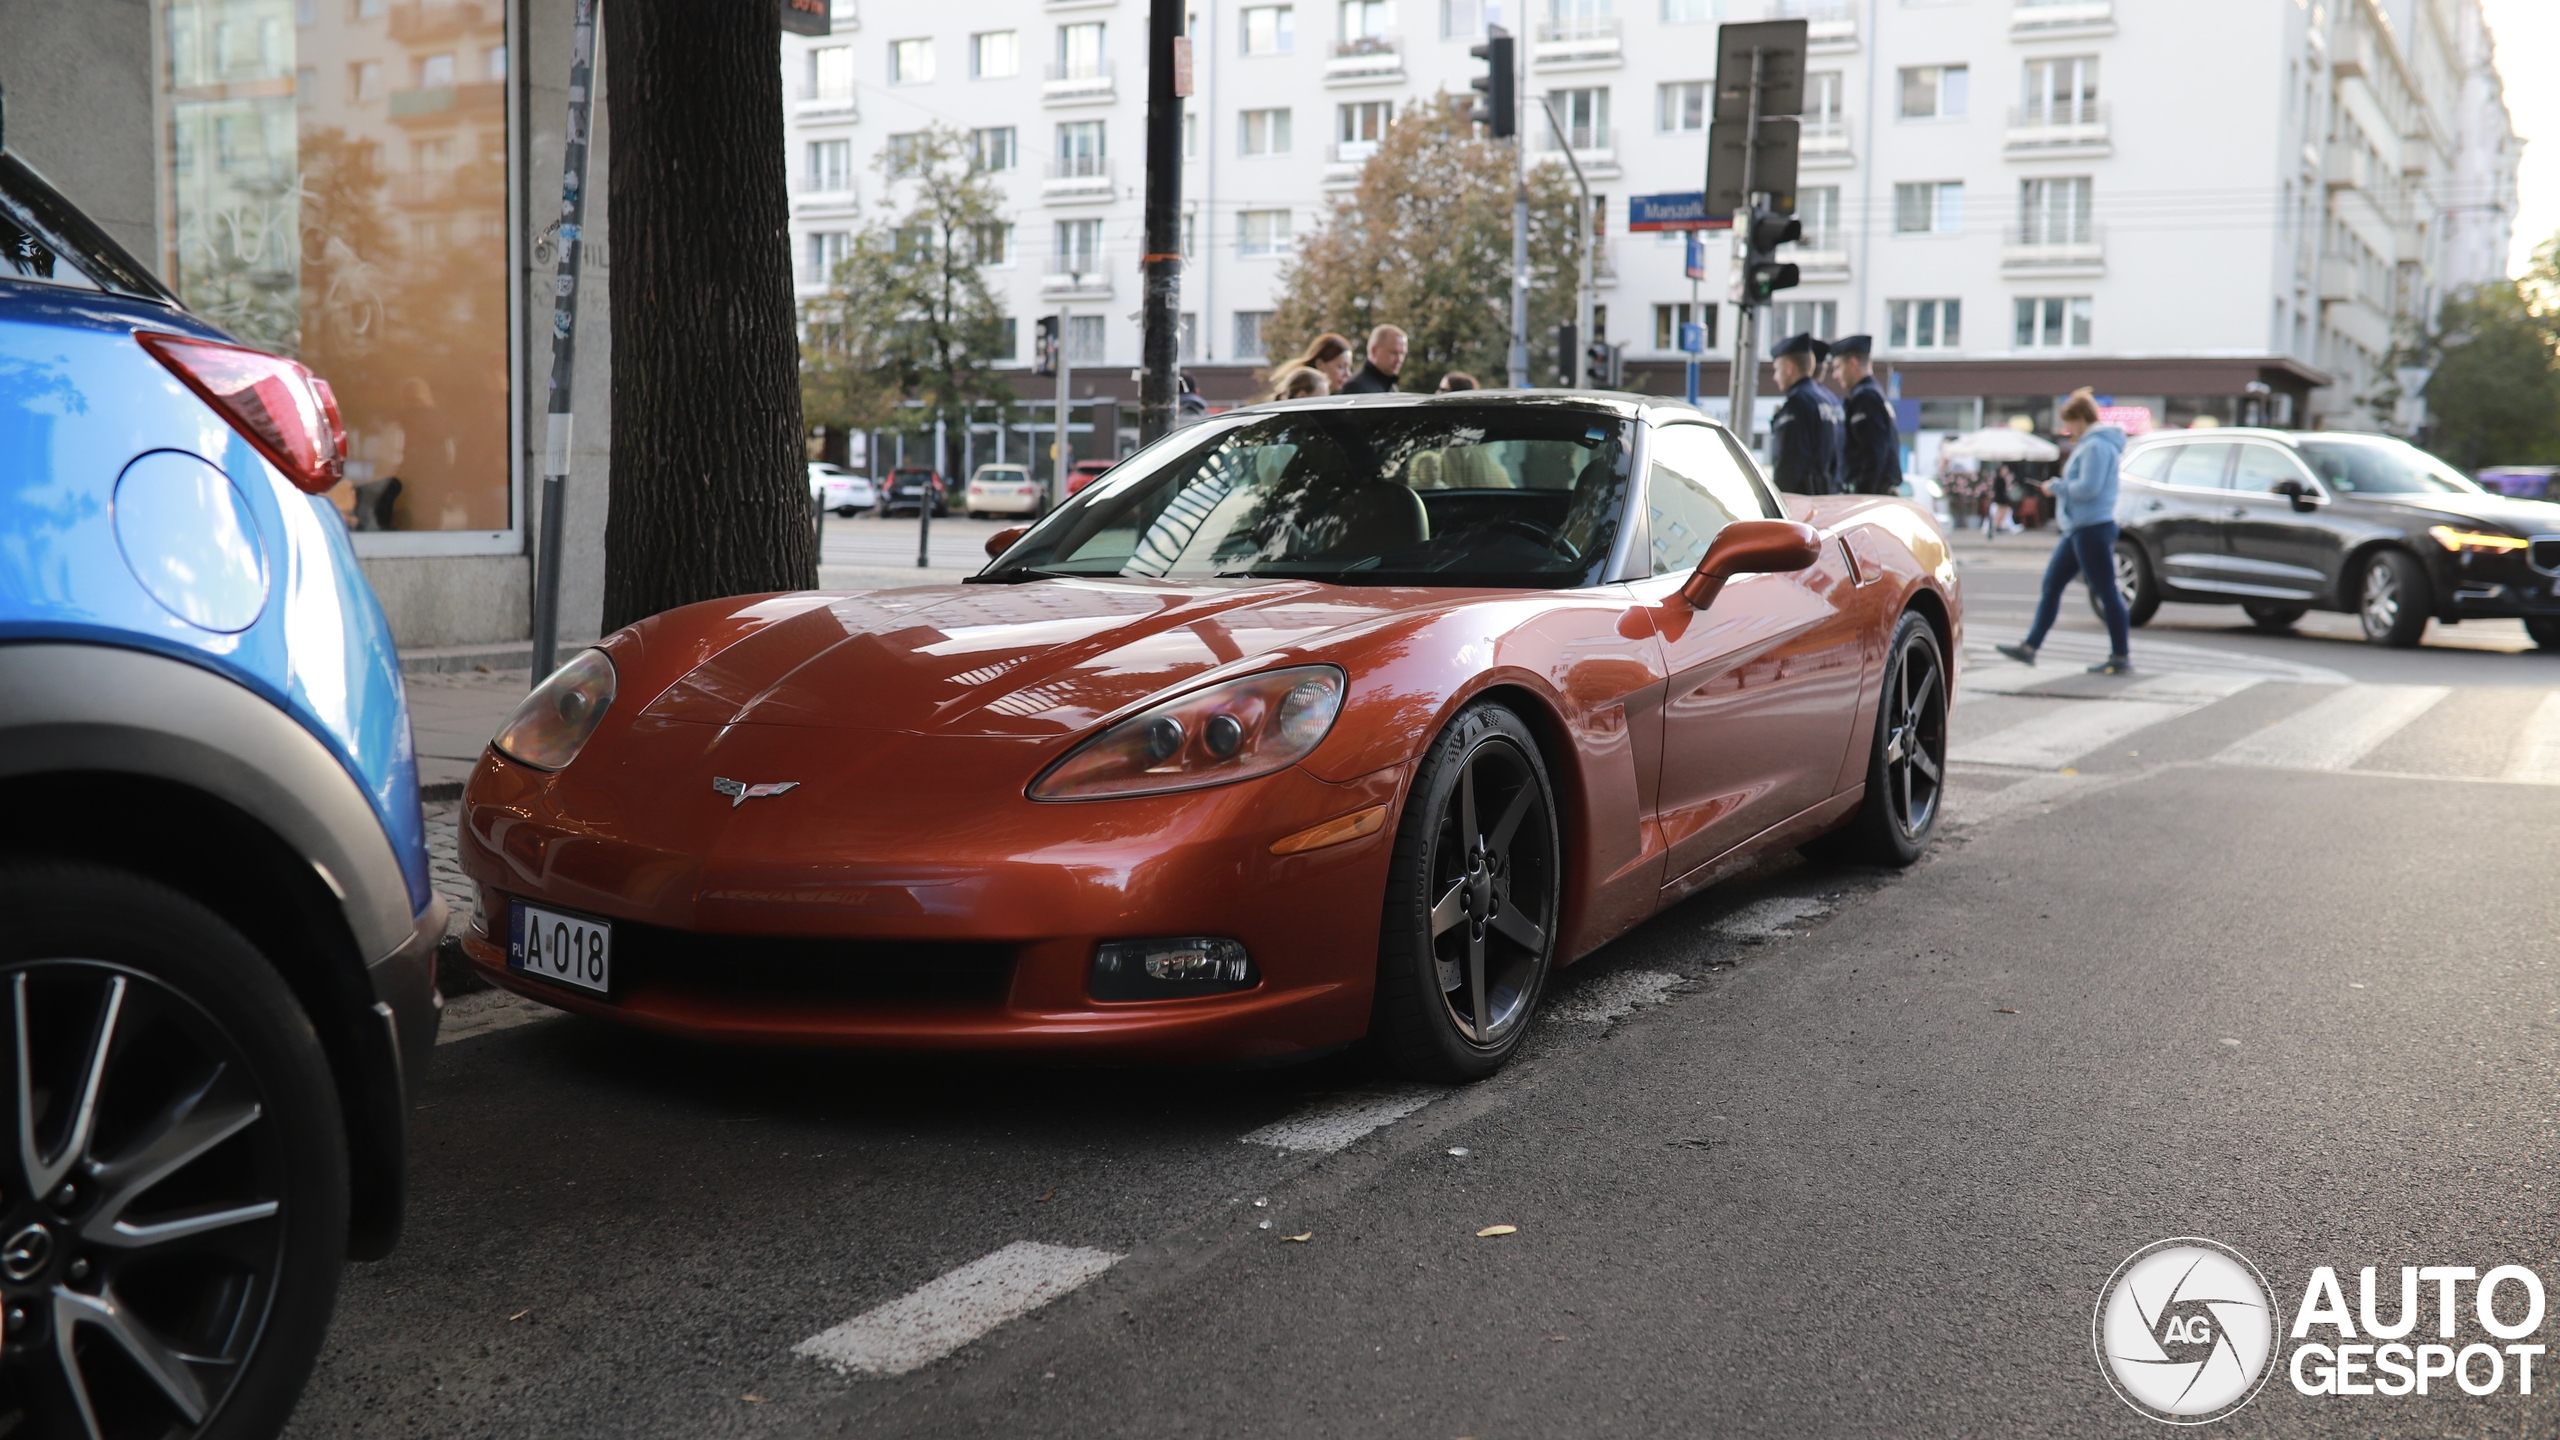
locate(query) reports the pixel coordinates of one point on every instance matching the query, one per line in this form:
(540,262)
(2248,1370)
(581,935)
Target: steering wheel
(1552,539)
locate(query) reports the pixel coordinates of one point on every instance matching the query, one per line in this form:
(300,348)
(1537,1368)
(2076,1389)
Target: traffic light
(1044,347)
(1606,368)
(1568,352)
(1499,111)
(1762,275)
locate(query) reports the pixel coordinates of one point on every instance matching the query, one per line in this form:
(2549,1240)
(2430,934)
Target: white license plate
(564,949)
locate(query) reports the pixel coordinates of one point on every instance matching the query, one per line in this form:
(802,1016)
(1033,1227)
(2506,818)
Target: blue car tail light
(284,410)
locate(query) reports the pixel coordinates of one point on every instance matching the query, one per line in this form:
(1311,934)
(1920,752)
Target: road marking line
(1333,1121)
(2338,731)
(944,1314)
(2078,727)
(1964,808)
(482,1011)
(1613,997)
(2536,759)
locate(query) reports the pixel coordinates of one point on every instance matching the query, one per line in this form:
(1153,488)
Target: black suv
(908,487)
(2280,522)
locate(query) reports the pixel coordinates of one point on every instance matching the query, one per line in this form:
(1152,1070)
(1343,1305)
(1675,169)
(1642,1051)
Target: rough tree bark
(710,489)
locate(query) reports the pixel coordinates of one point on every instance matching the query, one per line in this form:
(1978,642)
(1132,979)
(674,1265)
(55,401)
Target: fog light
(1170,969)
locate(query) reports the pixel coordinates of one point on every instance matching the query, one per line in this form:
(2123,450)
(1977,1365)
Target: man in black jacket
(1386,361)
(1871,461)
(1805,438)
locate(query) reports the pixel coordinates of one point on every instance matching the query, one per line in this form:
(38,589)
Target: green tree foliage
(1424,243)
(2494,398)
(909,331)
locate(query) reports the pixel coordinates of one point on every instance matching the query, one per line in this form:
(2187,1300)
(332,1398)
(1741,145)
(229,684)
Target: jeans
(2088,553)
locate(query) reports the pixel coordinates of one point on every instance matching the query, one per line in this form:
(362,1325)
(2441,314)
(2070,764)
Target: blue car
(217,934)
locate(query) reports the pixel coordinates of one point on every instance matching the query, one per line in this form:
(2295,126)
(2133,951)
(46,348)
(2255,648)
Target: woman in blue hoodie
(2087,517)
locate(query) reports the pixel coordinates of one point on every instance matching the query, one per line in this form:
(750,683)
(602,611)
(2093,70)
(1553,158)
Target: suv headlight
(553,723)
(1216,736)
(2460,540)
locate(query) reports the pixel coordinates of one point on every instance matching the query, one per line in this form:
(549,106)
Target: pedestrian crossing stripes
(2052,740)
(2338,731)
(2536,760)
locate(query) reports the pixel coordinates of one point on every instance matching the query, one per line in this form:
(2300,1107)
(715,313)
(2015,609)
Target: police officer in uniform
(1871,461)
(1805,439)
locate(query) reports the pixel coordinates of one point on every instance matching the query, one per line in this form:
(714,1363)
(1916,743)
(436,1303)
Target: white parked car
(1003,490)
(838,489)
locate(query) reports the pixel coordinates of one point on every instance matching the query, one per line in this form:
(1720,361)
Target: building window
(1584,114)
(910,61)
(1269,30)
(992,244)
(1805,317)
(1190,344)
(1080,149)
(1822,103)
(830,73)
(1262,232)
(1668,319)
(1934,92)
(1924,324)
(1080,51)
(2053,322)
(2054,211)
(1683,106)
(1818,210)
(821,252)
(995,55)
(1359,127)
(1366,19)
(1688,12)
(364,81)
(1467,19)
(1079,246)
(1263,132)
(435,72)
(1190,136)
(2061,91)
(995,148)
(1190,234)
(998,343)
(902,153)
(830,166)
(1084,339)
(1929,207)
(1248,344)
(493,63)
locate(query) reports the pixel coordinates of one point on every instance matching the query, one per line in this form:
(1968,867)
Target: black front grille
(821,971)
(2544,552)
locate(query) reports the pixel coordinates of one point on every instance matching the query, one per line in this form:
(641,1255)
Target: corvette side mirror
(1002,540)
(1751,547)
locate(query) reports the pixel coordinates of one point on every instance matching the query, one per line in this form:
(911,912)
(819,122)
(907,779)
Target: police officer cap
(1860,345)
(1801,343)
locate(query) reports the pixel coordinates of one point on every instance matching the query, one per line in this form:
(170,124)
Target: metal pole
(1059,453)
(1745,386)
(1697,315)
(1580,373)
(1519,231)
(1159,317)
(564,344)
(924,497)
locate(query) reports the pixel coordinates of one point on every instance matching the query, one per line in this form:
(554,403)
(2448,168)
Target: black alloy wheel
(173,1194)
(1907,762)
(2273,619)
(1473,895)
(2392,599)
(2133,582)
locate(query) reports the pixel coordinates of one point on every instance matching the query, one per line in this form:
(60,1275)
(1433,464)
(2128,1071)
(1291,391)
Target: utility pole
(1160,319)
(1059,461)
(1519,248)
(1577,370)
(924,497)
(564,344)
(1745,387)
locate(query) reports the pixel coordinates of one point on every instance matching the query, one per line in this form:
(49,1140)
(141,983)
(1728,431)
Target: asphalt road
(1822,1152)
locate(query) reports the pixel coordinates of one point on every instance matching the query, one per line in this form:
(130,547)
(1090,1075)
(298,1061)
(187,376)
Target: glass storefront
(336,172)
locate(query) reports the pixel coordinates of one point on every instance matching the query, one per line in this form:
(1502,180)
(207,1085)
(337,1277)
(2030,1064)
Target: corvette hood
(1024,661)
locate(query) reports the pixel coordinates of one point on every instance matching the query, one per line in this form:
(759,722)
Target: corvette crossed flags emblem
(739,792)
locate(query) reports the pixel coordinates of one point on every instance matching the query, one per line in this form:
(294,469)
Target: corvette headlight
(2459,540)
(553,723)
(1216,736)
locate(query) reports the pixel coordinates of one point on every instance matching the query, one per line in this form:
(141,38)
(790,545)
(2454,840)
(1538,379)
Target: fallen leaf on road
(1044,1199)
(1310,1235)
(755,1399)
(520,1314)
(2004,1010)
(1492,1230)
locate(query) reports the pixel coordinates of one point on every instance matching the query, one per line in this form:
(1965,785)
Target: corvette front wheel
(1472,900)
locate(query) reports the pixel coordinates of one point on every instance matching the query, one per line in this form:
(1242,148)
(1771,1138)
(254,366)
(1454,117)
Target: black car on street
(908,488)
(2282,522)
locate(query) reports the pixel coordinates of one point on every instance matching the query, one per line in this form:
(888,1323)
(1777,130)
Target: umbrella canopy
(2002,443)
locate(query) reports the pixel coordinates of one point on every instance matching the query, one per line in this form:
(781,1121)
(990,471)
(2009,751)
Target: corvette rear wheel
(1472,898)
(1906,769)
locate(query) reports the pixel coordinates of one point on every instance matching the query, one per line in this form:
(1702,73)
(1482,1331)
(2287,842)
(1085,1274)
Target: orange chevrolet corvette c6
(1339,718)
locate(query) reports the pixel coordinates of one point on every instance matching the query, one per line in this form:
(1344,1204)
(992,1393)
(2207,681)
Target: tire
(1907,759)
(1468,937)
(211,1064)
(845,512)
(2273,619)
(2545,630)
(2393,599)
(2133,581)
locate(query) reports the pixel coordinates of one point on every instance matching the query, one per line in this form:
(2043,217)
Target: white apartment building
(2170,200)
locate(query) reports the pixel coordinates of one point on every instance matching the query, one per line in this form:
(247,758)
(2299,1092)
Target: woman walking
(2087,519)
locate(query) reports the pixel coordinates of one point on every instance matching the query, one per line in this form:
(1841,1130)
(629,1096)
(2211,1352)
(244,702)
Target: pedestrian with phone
(2086,493)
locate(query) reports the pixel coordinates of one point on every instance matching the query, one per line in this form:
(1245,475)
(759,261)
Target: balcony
(2058,250)
(1081,274)
(2337,280)
(820,200)
(2062,130)
(811,105)
(1078,178)
(444,103)
(1369,60)
(2408,244)
(2342,167)
(425,22)
(1344,162)
(1586,42)
(1598,162)
(1824,144)
(1082,83)
(1831,26)
(2057,19)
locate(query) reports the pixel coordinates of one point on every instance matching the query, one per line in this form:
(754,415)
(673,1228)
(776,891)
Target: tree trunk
(710,487)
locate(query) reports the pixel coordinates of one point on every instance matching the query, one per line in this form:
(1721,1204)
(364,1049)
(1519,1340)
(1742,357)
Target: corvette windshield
(1475,495)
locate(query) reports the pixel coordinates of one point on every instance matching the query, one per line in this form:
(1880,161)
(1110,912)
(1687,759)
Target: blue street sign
(1683,210)
(1697,256)
(1693,338)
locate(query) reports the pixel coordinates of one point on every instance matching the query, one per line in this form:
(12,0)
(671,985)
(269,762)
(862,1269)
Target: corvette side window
(1695,489)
